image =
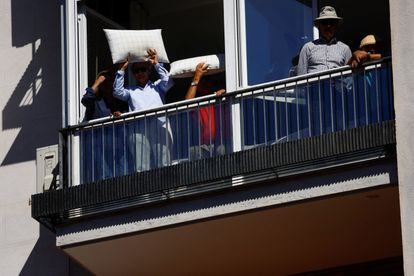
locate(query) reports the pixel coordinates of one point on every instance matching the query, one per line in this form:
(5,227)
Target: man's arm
(200,70)
(119,90)
(165,82)
(302,68)
(89,97)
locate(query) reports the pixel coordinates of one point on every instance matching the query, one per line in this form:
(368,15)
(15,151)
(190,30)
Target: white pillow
(185,68)
(133,44)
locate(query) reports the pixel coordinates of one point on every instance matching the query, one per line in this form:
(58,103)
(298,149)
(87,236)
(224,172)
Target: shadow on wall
(47,259)
(34,108)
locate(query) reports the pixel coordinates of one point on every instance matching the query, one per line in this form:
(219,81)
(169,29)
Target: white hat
(368,40)
(328,12)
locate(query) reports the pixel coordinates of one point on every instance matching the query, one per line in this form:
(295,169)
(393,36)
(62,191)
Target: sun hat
(327,12)
(368,40)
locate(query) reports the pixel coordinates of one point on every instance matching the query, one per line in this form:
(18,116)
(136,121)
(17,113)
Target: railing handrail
(178,104)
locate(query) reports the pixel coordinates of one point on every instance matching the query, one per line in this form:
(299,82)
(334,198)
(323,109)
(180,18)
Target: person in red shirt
(202,85)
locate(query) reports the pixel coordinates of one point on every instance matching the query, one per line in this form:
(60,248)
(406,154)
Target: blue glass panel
(275,33)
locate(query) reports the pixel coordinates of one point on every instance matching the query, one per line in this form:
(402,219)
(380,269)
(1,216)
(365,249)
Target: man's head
(370,44)
(141,71)
(327,22)
(210,83)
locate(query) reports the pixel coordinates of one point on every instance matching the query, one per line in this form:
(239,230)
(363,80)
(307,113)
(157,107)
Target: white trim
(71,65)
(83,58)
(72,82)
(231,45)
(243,81)
(75,157)
(315,14)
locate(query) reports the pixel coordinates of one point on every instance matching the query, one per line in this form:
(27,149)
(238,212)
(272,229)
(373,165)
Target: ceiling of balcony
(306,236)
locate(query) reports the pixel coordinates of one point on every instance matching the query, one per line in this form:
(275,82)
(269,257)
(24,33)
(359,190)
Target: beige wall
(402,22)
(30,104)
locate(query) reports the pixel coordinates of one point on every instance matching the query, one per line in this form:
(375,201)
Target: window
(275,33)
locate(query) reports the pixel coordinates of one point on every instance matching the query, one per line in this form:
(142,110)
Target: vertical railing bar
(178,133)
(145,137)
(81,154)
(93,157)
(210,148)
(167,140)
(125,151)
(320,105)
(309,108)
(286,114)
(254,120)
(343,101)
(355,103)
(134,145)
(70,159)
(264,117)
(113,149)
(366,99)
(276,117)
(331,99)
(390,89)
(103,151)
(297,110)
(242,121)
(199,129)
(188,133)
(221,118)
(379,109)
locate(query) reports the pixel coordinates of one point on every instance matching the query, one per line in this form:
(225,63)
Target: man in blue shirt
(146,94)
(150,138)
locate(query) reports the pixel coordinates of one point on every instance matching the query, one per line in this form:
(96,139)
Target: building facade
(315,173)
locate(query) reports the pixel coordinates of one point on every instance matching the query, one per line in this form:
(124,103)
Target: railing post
(63,160)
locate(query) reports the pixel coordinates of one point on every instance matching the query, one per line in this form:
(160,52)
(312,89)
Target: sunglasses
(139,70)
(329,22)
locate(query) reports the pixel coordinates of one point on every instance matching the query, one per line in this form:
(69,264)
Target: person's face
(205,86)
(141,73)
(327,28)
(370,48)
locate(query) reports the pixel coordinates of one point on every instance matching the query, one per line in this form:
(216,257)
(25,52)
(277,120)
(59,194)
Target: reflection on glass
(275,33)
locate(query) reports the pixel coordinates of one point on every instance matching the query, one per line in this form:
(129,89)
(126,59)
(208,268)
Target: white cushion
(185,68)
(133,44)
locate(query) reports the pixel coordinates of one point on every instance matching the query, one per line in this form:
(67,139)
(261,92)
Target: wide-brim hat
(368,40)
(328,12)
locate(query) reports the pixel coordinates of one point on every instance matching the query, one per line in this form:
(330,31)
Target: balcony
(271,131)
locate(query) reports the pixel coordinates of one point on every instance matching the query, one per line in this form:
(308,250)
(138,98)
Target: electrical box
(47,166)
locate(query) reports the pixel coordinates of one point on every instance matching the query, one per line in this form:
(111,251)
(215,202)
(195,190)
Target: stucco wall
(30,104)
(402,22)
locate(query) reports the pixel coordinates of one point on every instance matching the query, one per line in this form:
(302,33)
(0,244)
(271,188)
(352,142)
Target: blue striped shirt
(142,98)
(318,55)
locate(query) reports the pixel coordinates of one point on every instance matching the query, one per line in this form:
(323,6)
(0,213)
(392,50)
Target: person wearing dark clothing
(99,101)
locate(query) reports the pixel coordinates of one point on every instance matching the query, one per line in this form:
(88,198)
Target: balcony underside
(232,171)
(312,235)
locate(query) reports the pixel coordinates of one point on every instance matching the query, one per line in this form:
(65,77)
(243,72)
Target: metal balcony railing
(284,110)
